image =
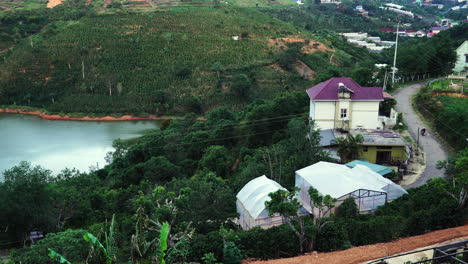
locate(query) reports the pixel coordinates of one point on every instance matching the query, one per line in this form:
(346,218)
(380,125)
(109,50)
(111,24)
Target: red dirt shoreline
(86,118)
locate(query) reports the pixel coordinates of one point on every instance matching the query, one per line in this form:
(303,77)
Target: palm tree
(348,147)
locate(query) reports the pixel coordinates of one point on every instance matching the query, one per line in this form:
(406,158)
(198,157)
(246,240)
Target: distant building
(401,12)
(394,6)
(343,103)
(436,30)
(461,66)
(337,2)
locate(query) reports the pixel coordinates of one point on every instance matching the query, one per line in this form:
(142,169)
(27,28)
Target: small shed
(369,189)
(380,169)
(251,203)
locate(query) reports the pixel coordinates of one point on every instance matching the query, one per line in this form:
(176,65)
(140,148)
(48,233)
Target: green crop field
(160,62)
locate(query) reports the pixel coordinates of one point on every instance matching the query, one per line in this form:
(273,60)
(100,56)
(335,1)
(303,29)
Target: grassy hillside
(161,62)
(448,115)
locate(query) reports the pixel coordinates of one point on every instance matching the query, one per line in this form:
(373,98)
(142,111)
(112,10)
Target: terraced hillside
(162,62)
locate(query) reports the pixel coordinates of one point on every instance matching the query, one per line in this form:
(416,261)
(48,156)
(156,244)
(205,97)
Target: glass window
(344,113)
(384,147)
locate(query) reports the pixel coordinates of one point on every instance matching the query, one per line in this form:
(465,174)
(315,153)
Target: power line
(456,132)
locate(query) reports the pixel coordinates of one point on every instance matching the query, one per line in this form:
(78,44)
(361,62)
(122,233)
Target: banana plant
(163,236)
(54,255)
(109,250)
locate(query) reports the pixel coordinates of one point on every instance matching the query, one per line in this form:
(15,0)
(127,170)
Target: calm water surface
(57,144)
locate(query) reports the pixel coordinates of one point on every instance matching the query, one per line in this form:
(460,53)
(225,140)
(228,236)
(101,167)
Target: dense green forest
(188,174)
(177,186)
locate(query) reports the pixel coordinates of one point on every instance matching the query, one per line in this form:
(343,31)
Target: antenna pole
(396,48)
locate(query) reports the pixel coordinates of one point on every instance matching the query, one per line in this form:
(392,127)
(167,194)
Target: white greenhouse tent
(368,188)
(251,203)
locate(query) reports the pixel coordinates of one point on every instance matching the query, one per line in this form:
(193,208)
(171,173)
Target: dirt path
(429,143)
(366,253)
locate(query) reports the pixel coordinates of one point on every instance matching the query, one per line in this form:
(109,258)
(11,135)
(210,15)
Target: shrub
(275,242)
(331,237)
(183,71)
(241,85)
(69,244)
(348,209)
(232,254)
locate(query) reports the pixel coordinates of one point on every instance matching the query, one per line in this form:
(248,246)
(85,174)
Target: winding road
(429,143)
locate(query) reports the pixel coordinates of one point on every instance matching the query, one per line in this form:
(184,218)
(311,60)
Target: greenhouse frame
(251,204)
(369,189)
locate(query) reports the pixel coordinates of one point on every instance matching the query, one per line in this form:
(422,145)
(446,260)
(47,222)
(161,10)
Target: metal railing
(453,253)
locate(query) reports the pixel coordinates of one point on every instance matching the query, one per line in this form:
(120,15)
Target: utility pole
(417,144)
(385,81)
(396,48)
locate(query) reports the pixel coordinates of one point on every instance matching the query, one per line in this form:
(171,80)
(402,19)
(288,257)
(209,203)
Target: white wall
(327,114)
(324,114)
(312,110)
(461,51)
(365,115)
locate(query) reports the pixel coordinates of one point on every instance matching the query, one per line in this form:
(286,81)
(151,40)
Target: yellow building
(382,147)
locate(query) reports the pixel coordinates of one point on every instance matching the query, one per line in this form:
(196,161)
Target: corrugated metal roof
(326,137)
(382,170)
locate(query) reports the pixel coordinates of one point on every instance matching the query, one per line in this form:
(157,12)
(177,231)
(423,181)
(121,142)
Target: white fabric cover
(338,180)
(255,193)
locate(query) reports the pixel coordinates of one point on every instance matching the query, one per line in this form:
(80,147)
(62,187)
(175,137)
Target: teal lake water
(56,144)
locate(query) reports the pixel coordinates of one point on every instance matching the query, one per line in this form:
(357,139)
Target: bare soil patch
(53,3)
(366,253)
(310,46)
(87,118)
(304,70)
(106,2)
(454,94)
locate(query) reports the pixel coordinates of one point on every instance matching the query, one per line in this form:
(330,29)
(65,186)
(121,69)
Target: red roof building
(328,91)
(343,103)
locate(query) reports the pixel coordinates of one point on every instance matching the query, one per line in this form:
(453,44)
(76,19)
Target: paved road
(431,146)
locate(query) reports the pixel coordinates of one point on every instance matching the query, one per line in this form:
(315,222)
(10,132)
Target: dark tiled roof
(326,137)
(329,90)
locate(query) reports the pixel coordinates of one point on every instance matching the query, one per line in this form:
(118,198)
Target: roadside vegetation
(447,113)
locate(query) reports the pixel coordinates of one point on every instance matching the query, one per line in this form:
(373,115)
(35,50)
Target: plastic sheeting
(255,193)
(339,181)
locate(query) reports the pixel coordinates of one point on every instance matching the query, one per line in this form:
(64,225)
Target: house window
(466,58)
(384,147)
(365,149)
(343,113)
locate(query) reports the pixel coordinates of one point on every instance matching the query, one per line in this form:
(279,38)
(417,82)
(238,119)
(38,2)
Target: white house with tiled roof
(462,58)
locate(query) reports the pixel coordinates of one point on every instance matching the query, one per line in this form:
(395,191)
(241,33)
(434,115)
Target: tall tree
(348,147)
